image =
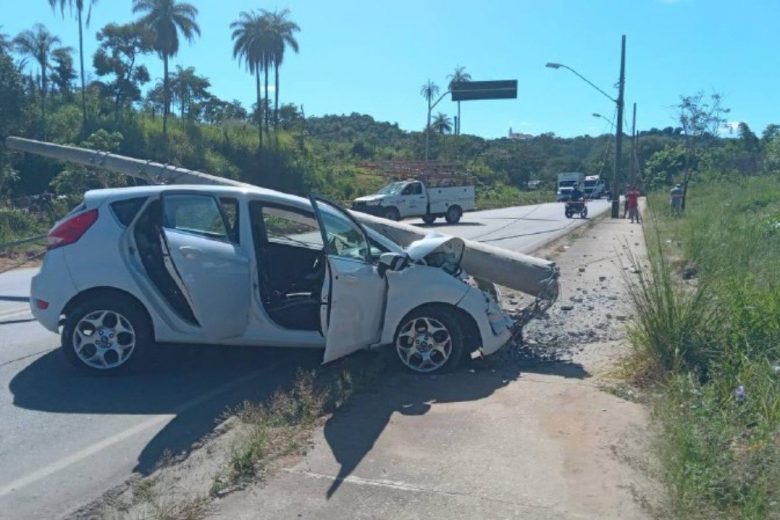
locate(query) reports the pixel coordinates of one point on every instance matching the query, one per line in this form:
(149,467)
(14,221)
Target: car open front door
(354,295)
(213,271)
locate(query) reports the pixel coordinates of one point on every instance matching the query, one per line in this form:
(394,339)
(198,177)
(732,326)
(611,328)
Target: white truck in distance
(594,187)
(413,198)
(566,183)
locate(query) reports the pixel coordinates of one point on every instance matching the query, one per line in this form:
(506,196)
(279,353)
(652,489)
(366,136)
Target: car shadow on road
(353,430)
(196,385)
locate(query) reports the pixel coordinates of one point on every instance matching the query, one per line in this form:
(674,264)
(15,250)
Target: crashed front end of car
(481,298)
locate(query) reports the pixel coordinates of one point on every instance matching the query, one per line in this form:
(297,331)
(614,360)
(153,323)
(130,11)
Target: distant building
(517,136)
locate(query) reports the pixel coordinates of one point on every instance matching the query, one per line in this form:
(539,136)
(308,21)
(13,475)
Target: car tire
(430,340)
(453,215)
(392,214)
(584,213)
(568,213)
(429,219)
(122,330)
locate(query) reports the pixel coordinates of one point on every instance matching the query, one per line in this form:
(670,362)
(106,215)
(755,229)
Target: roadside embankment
(707,342)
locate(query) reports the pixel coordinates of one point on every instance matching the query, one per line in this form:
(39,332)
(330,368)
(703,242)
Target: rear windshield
(126,210)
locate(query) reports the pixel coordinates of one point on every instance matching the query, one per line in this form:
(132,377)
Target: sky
(372,56)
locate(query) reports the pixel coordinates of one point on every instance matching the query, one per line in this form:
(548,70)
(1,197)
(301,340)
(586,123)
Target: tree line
(261,40)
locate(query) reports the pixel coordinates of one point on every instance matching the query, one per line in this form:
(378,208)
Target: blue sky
(372,56)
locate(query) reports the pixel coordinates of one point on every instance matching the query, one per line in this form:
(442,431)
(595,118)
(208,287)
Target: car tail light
(71,230)
(41,304)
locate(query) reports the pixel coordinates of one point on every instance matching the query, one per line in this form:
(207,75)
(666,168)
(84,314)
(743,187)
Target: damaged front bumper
(495,326)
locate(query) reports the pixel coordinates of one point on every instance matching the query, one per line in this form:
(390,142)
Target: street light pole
(619,130)
(619,127)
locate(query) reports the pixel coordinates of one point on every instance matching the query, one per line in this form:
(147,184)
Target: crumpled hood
(438,250)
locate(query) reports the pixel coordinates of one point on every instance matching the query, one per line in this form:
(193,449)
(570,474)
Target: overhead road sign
(473,90)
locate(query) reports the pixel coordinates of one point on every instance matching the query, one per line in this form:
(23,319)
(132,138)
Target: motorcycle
(574,207)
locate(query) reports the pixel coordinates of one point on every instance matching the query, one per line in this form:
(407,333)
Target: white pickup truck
(413,198)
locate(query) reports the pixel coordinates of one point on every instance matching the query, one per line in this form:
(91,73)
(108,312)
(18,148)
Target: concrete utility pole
(619,131)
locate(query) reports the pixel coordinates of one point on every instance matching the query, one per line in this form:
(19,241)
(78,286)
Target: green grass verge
(707,328)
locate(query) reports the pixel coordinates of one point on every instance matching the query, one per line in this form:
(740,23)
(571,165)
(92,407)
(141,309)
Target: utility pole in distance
(633,164)
(619,132)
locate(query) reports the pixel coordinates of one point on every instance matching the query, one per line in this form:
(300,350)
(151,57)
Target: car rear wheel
(430,340)
(584,212)
(106,335)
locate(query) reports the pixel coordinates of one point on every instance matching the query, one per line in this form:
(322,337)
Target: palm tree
(165,19)
(458,76)
(37,43)
(283,36)
(429,91)
(442,123)
(251,42)
(79,5)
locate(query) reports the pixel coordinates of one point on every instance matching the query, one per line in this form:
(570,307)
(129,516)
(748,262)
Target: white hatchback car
(249,266)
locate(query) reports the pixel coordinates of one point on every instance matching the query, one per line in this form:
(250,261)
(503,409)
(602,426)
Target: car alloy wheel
(104,339)
(424,344)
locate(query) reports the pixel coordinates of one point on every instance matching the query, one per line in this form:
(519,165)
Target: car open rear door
(354,295)
(212,270)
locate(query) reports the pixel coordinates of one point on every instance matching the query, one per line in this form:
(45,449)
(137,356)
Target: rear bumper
(53,284)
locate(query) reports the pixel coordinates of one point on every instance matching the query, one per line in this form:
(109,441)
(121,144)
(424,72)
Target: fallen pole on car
(525,273)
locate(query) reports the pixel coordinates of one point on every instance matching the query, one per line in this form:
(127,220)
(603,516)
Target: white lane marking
(403,486)
(351,479)
(12,313)
(78,456)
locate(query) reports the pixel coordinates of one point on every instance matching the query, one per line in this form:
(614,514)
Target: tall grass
(706,340)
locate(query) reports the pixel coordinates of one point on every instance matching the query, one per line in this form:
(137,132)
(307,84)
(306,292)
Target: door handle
(189,252)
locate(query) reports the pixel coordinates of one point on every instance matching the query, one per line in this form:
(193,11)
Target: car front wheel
(430,340)
(106,335)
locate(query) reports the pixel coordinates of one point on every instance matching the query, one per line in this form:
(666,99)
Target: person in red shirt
(632,198)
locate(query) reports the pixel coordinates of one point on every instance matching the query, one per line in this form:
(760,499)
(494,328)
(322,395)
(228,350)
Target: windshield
(394,188)
(590,184)
(567,183)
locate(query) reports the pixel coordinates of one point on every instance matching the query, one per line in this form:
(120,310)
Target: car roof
(221,191)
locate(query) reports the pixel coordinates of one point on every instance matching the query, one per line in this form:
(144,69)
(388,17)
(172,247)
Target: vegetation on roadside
(707,333)
(268,431)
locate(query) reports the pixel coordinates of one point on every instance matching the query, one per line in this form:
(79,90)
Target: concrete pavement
(66,438)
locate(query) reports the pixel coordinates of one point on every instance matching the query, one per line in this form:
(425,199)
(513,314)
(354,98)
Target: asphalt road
(66,438)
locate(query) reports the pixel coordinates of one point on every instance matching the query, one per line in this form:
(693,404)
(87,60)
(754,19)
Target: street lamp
(619,128)
(605,119)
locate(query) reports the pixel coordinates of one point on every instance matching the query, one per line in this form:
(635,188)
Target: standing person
(633,204)
(625,201)
(675,200)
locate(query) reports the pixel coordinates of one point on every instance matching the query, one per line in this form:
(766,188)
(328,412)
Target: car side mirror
(391,262)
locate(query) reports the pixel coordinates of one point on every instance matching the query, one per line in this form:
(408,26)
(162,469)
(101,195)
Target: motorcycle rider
(576,194)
